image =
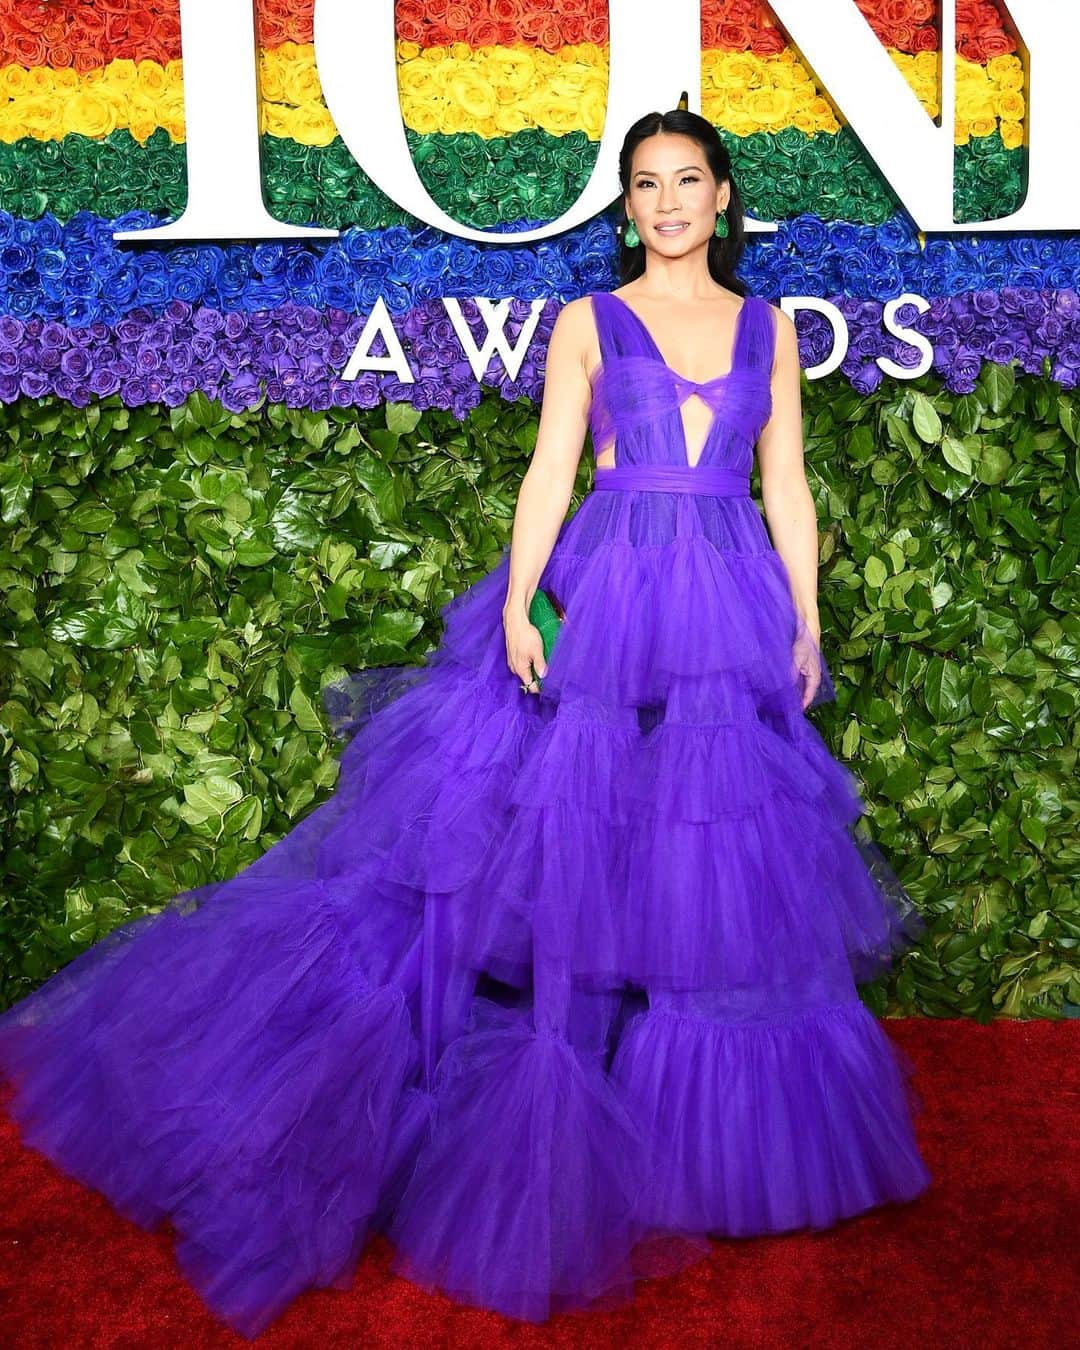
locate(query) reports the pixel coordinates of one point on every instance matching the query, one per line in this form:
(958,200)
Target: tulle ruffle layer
(623,838)
(224,1067)
(640,620)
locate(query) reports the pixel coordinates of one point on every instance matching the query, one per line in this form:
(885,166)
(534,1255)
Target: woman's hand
(524,647)
(806,655)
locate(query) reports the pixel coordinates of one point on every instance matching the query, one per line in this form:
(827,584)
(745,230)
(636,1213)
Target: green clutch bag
(546,614)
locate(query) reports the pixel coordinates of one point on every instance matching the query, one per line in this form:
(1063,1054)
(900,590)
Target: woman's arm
(548,484)
(785,494)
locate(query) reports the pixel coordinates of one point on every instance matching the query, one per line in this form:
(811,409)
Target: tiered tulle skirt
(549,990)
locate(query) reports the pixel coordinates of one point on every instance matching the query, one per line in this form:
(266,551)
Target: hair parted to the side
(724,254)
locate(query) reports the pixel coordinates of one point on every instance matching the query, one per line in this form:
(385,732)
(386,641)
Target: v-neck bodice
(638,398)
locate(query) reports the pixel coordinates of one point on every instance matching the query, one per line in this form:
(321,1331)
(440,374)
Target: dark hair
(724,254)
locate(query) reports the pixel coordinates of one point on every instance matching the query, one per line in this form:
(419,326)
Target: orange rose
(506,11)
(458,19)
(487,33)
(995,43)
(734,36)
(86,59)
(270,32)
(768,42)
(410,14)
(28,49)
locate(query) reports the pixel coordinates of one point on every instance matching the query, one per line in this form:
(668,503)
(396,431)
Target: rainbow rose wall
(235,467)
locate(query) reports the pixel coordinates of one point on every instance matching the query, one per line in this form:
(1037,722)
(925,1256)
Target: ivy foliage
(176,585)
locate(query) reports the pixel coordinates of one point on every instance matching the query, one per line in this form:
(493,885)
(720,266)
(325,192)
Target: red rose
(925,40)
(595,29)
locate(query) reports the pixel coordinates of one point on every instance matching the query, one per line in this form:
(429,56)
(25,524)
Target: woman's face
(673,198)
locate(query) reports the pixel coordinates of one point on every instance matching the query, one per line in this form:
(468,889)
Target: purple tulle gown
(553,988)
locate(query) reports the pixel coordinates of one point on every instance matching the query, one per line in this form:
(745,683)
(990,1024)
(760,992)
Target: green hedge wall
(177,584)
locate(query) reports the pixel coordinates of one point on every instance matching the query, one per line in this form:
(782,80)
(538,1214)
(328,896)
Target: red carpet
(987,1258)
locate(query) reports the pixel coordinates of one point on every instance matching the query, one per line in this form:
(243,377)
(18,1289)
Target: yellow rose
(41,116)
(545,110)
(1012,135)
(275,120)
(120,74)
(1011,106)
(407,51)
(435,56)
(927,65)
(302,84)
(982,126)
(769,107)
(460,51)
(805,122)
(512,119)
(170,109)
(174,126)
(796,75)
(739,69)
(1007,72)
(313,125)
(455,120)
(517,69)
(155,79)
(471,92)
(421,117)
(269,78)
(823,114)
(39,80)
(417,81)
(14,82)
(142,116)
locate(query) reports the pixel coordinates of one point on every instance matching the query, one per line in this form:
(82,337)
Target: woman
(568,960)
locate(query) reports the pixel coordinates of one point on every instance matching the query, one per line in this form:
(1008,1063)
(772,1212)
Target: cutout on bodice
(701,398)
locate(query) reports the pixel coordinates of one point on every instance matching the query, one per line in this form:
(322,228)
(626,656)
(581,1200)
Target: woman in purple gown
(562,979)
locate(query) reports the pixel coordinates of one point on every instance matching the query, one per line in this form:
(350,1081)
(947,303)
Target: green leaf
(875,572)
(956,455)
(925,419)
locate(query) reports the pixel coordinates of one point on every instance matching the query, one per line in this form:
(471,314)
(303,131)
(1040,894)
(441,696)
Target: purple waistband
(710,479)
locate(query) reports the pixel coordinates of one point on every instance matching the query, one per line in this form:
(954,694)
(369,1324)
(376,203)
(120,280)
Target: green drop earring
(631,238)
(721,230)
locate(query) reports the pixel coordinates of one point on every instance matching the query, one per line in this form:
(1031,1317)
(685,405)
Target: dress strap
(620,332)
(755,345)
